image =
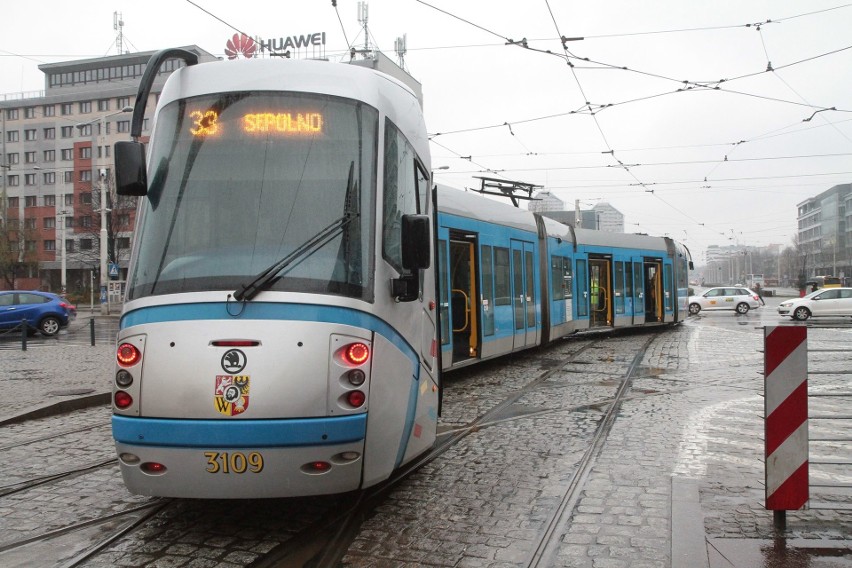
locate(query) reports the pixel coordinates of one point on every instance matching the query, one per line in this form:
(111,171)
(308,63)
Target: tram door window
(582,289)
(618,288)
(668,297)
(463,297)
(487,291)
(638,292)
(443,275)
(561,288)
(653,291)
(600,292)
(523,293)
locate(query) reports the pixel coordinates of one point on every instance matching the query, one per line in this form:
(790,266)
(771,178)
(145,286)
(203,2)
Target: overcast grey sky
(705,121)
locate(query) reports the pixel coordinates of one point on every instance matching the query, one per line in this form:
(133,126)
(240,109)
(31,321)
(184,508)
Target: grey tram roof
(473,206)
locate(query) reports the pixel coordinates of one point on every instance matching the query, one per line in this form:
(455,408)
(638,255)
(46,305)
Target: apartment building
(825,232)
(57,171)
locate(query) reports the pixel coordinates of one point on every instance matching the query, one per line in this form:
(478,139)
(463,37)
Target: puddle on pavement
(778,553)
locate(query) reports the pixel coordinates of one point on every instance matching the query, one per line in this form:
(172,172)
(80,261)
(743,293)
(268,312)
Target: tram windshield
(239,181)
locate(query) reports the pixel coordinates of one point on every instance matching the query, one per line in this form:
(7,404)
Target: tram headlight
(127,355)
(357,353)
(356,377)
(123,379)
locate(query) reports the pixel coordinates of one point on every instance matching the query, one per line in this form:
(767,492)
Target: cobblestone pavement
(692,420)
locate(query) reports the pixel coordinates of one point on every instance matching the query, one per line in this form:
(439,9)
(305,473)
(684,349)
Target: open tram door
(464,305)
(653,290)
(600,292)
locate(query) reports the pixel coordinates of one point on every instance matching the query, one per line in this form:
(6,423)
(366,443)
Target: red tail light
(356,398)
(127,355)
(357,353)
(122,399)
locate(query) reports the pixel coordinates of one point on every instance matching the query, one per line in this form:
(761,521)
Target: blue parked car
(45,312)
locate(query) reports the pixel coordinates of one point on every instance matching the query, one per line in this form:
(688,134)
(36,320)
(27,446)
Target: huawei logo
(240,44)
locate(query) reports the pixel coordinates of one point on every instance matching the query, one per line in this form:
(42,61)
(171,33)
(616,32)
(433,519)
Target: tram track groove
(549,539)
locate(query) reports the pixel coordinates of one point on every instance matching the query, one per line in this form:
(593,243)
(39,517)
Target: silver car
(737,298)
(825,302)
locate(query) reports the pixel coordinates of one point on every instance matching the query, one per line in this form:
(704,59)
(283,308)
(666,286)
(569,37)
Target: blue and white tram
(279,330)
(294,293)
(510,279)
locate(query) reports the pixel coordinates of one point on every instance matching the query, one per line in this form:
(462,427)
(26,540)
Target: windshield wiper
(248,291)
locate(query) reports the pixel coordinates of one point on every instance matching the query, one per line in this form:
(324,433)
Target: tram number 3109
(233,462)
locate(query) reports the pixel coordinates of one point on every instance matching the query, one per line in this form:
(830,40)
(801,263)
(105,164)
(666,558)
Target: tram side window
(487,291)
(502,282)
(557,286)
(401,185)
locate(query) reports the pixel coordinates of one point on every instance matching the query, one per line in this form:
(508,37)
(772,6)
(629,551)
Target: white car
(735,298)
(823,302)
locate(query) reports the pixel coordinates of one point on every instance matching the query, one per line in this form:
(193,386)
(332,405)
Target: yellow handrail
(466,309)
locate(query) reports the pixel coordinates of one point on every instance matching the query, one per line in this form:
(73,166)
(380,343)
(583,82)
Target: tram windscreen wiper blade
(248,291)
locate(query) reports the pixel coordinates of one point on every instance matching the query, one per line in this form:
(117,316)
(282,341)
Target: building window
(13,158)
(50,133)
(69,222)
(29,112)
(68,177)
(30,223)
(13,181)
(50,200)
(103,105)
(86,198)
(67,131)
(12,136)
(86,223)
(48,110)
(31,246)
(49,245)
(85,107)
(123,102)
(30,134)
(29,157)
(13,203)
(86,153)
(11,114)
(49,222)
(66,109)
(85,244)
(85,129)
(69,199)
(123,220)
(50,155)
(122,125)
(122,243)
(29,179)
(67,154)
(30,201)
(69,245)
(86,175)
(49,179)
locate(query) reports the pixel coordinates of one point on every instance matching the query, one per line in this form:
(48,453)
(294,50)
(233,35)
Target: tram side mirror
(130,176)
(415,239)
(415,242)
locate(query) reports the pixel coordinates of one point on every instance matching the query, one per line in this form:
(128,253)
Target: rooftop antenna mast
(400,48)
(363,16)
(118,25)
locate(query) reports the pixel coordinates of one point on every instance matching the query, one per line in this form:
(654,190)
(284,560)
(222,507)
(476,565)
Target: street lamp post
(104,279)
(103,237)
(63,280)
